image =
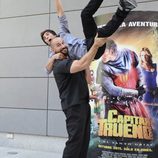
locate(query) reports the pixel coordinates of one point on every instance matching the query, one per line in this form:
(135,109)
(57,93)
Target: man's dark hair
(48,30)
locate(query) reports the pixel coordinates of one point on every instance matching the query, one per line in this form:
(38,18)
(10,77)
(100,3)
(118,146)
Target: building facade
(29,101)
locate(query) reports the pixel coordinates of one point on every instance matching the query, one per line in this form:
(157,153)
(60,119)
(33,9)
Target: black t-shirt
(73,88)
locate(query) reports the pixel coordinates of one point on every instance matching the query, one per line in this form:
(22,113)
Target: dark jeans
(90,28)
(78,128)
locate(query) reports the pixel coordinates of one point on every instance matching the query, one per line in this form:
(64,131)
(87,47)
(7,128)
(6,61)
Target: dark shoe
(127,5)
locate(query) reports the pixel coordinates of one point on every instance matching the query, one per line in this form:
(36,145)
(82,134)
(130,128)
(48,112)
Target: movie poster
(124,91)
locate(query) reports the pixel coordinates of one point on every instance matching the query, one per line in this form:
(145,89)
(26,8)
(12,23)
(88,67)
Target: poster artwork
(124,88)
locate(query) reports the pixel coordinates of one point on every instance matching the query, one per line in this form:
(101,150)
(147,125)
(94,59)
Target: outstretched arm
(63,23)
(59,8)
(84,62)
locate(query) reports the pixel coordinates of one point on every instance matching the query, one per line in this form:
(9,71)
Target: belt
(118,100)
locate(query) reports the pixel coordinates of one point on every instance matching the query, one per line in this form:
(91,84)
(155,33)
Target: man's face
(108,56)
(58,46)
(48,37)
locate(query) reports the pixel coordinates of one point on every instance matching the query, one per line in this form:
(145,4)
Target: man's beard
(64,51)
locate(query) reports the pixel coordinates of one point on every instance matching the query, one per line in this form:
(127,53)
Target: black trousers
(90,28)
(78,128)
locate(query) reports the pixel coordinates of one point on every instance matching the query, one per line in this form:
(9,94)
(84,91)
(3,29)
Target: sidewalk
(6,152)
(28,146)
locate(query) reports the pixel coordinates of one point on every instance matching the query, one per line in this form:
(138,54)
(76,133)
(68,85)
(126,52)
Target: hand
(98,42)
(141,90)
(59,56)
(50,63)
(155,92)
(93,97)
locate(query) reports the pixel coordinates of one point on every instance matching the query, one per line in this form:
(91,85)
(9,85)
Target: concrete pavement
(30,146)
(6,152)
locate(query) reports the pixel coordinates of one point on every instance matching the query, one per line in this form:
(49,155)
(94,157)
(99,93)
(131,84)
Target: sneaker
(127,5)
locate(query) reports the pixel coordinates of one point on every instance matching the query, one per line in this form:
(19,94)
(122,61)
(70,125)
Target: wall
(29,102)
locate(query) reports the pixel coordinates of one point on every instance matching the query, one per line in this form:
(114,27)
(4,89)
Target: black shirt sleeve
(63,66)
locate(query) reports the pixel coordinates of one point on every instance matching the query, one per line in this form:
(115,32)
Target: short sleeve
(62,66)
